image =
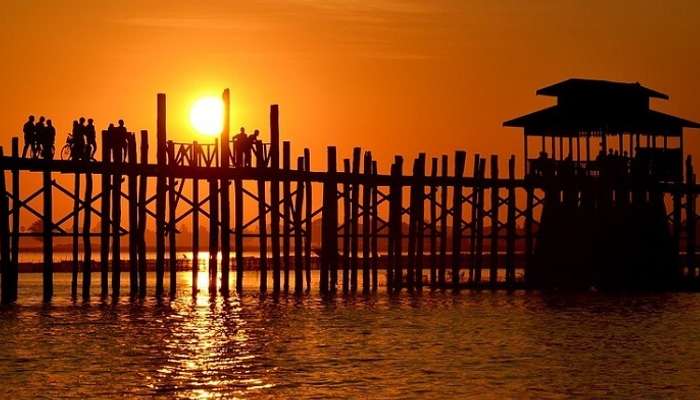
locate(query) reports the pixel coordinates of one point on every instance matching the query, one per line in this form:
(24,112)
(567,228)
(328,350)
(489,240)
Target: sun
(207,115)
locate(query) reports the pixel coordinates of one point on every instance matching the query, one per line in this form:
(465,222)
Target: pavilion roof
(562,121)
(578,86)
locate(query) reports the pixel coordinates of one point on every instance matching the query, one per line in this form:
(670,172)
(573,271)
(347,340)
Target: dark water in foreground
(431,345)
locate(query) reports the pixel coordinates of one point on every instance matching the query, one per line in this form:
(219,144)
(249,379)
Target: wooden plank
(275,197)
(104,218)
(133,219)
(308,227)
(432,195)
(286,215)
(529,206)
(495,229)
(142,221)
(473,220)
(298,240)
(354,216)
(443,223)
(366,221)
(262,221)
(460,160)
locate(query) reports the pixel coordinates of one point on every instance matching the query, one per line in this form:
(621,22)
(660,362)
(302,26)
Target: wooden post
(330,225)
(172,229)
(286,215)
(161,148)
(460,159)
(298,244)
(480,220)
(195,221)
(143,189)
(354,215)
(420,220)
(213,234)
(690,218)
(396,234)
(14,274)
(87,245)
(275,197)
(510,225)
(48,235)
(495,200)
(5,238)
(375,230)
(116,221)
(366,214)
(412,231)
(75,237)
(433,222)
(443,222)
(347,215)
(529,205)
(262,224)
(473,219)
(104,217)
(239,234)
(133,219)
(308,226)
(225,208)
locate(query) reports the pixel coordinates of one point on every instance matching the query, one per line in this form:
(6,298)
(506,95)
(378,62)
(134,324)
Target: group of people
(243,146)
(611,163)
(81,144)
(82,140)
(39,138)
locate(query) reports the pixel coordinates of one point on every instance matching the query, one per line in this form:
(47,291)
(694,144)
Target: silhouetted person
(77,141)
(90,137)
(239,144)
(120,138)
(49,140)
(39,134)
(252,146)
(29,131)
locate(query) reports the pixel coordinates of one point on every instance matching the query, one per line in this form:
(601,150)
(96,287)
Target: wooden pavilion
(597,117)
(604,222)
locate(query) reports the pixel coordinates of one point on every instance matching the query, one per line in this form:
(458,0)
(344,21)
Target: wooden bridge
(437,225)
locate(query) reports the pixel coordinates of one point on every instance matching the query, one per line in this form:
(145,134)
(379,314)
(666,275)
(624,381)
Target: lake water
(428,345)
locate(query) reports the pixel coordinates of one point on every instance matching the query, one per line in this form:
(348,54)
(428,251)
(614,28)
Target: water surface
(427,345)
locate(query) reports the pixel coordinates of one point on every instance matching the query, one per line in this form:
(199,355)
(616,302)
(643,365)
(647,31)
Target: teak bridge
(619,220)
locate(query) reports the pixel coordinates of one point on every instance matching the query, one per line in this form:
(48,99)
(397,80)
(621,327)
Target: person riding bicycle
(75,141)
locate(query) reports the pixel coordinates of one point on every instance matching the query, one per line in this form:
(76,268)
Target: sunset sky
(392,76)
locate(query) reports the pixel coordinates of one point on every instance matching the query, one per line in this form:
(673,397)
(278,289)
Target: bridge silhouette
(625,222)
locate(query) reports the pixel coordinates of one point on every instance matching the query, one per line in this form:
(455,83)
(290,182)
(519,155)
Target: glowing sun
(207,115)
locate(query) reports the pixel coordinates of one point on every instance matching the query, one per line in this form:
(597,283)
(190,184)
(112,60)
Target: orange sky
(392,76)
